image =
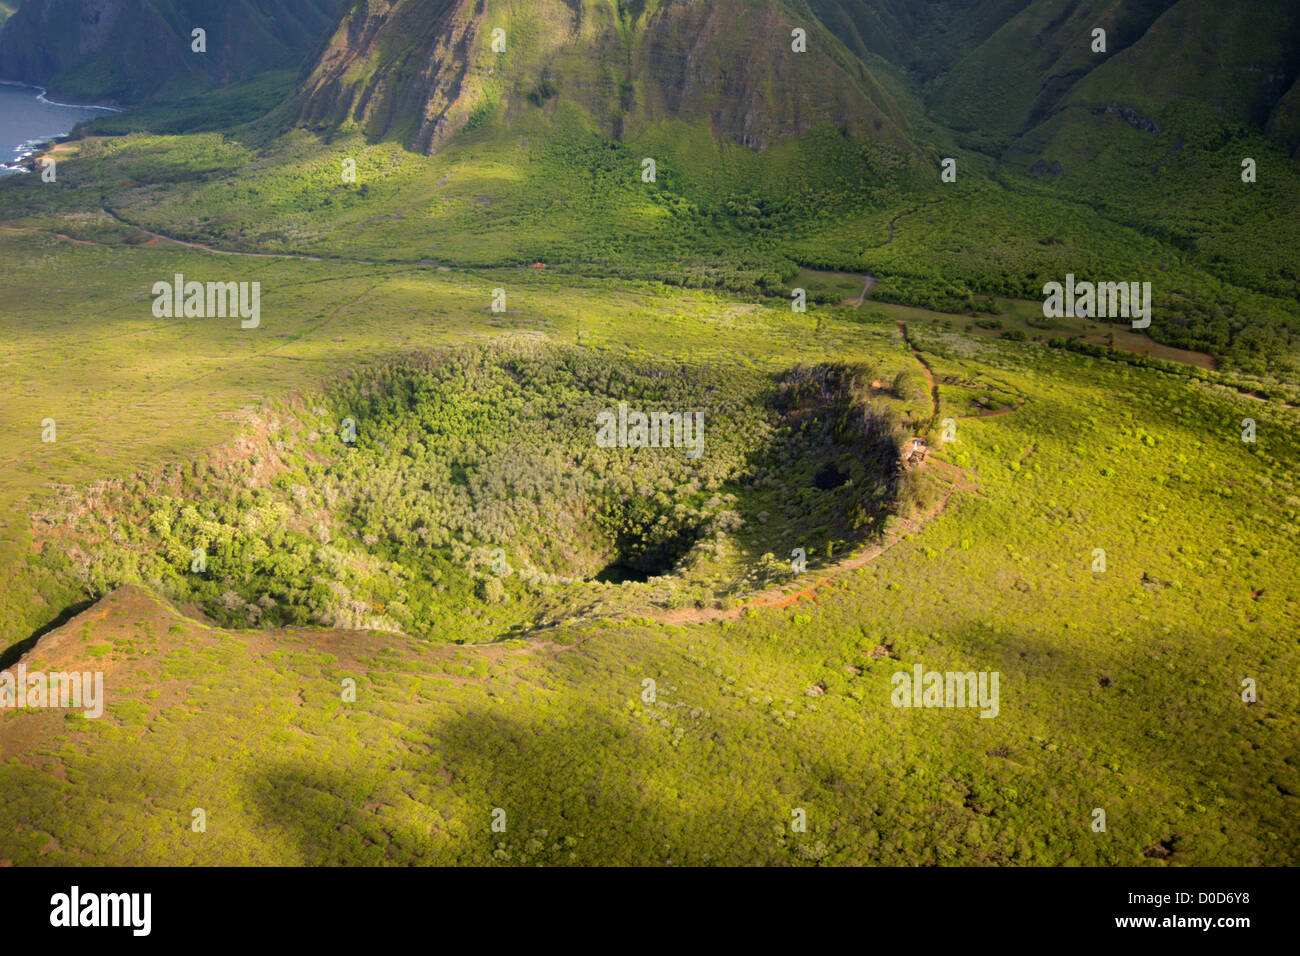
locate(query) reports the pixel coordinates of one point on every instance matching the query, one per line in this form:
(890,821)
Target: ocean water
(28,117)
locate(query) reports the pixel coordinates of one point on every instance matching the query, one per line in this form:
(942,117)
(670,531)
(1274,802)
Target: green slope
(925,39)
(1179,64)
(768,161)
(135,50)
(424,69)
(1121,688)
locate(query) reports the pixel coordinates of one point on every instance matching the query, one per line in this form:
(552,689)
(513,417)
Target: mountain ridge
(424,69)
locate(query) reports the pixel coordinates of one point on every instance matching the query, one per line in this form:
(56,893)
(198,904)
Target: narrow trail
(29,231)
(925,367)
(869,283)
(934,385)
(996,413)
(212,251)
(893,222)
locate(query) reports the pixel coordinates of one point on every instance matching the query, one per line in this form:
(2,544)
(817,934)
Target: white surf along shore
(43,127)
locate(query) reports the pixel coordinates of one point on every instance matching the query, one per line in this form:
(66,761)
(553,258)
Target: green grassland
(1120,690)
(151,390)
(1051,441)
(549,188)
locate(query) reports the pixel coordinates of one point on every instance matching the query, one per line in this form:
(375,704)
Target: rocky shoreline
(29,152)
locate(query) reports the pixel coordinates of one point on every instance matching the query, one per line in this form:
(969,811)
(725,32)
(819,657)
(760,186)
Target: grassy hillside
(745,222)
(425,69)
(476,607)
(924,39)
(757,712)
(1017,76)
(539,155)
